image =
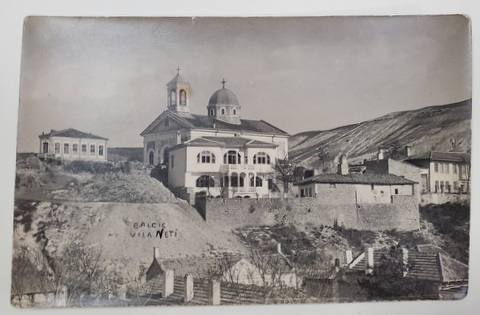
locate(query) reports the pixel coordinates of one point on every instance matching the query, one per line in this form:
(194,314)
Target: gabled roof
(441,157)
(231,142)
(70,133)
(426,266)
(194,121)
(367,179)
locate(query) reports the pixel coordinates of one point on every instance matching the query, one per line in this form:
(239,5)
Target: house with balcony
(71,144)
(220,153)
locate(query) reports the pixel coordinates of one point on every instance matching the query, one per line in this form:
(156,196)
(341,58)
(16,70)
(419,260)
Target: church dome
(223,97)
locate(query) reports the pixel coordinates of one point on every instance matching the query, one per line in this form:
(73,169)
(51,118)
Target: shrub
(88,167)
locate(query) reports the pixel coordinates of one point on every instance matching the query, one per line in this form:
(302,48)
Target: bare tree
(454,144)
(393,150)
(80,270)
(323,154)
(270,268)
(285,172)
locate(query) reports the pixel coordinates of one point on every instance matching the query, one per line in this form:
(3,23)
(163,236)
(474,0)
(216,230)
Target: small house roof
(426,266)
(71,133)
(367,179)
(441,157)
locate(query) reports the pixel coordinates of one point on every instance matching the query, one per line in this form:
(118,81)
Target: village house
(446,174)
(232,279)
(426,264)
(218,153)
(441,176)
(364,188)
(71,144)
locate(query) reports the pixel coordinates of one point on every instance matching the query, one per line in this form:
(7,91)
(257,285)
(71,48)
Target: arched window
(173,97)
(206,157)
(261,158)
(183,97)
(232,157)
(234,111)
(222,111)
(205,181)
(151,158)
(242,179)
(256,182)
(212,112)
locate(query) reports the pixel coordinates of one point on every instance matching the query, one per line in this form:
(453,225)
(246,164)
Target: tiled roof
(229,294)
(230,142)
(71,133)
(426,266)
(257,126)
(377,179)
(441,156)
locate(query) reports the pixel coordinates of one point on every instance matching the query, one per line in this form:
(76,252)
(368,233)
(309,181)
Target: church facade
(218,153)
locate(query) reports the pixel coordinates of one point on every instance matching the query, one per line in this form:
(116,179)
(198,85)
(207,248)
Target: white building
(71,144)
(220,152)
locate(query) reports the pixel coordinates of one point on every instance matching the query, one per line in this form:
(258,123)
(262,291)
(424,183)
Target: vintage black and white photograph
(177,161)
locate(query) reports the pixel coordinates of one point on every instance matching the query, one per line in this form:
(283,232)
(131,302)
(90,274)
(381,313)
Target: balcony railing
(236,167)
(246,167)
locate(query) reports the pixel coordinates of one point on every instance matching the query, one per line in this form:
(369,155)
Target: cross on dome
(223,83)
(178,69)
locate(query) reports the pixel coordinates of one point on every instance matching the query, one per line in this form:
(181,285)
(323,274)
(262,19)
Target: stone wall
(439,198)
(402,214)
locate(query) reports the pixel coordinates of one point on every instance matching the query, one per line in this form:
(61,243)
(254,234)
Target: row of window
(228,181)
(173,97)
(222,111)
(232,157)
(66,148)
(444,168)
(445,187)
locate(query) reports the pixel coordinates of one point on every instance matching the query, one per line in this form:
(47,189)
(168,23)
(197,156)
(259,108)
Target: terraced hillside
(429,128)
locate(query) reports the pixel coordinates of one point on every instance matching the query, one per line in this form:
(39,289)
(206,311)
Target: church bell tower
(178,94)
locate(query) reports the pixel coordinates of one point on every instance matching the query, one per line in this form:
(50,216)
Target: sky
(107,76)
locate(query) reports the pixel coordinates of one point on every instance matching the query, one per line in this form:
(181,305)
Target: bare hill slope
(429,128)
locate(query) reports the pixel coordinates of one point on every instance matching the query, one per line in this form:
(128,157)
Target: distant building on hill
(445,176)
(219,153)
(447,172)
(72,144)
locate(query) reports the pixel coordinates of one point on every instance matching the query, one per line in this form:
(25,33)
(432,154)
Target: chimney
(348,257)
(408,150)
(179,137)
(337,264)
(381,154)
(343,165)
(368,261)
(156,253)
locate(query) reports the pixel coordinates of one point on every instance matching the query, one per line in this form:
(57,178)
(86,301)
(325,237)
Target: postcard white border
(12,13)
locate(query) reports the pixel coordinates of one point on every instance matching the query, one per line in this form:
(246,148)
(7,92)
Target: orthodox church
(218,153)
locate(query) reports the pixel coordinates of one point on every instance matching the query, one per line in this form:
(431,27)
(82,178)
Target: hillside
(119,211)
(429,128)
